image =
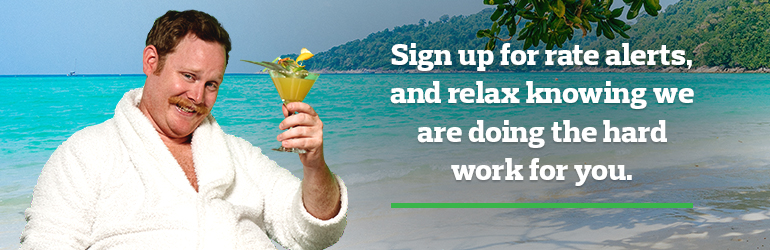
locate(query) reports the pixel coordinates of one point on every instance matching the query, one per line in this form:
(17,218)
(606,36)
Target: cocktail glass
(292,89)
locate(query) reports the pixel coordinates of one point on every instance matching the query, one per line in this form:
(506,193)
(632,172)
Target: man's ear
(150,60)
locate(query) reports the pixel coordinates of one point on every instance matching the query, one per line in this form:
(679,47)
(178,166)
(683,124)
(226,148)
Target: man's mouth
(185,109)
(186,106)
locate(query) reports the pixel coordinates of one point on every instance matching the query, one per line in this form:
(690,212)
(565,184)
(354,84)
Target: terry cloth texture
(116,186)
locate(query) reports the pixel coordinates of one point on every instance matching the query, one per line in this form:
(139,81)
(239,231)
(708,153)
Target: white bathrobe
(116,186)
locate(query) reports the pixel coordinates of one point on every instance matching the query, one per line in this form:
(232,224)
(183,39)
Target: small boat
(72,73)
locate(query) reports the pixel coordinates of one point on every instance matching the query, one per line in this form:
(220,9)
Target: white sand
(699,228)
(730,197)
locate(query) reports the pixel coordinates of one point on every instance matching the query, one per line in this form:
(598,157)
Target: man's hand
(306,133)
(320,191)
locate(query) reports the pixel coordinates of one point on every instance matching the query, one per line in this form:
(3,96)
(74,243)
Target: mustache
(184,102)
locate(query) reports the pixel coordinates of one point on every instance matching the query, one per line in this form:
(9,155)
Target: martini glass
(292,89)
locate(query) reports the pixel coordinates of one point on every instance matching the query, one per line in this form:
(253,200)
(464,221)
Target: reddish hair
(169,29)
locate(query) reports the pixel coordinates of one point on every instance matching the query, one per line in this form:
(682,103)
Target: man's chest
(183,155)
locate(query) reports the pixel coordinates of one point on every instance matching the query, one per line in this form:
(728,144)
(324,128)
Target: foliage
(553,22)
(374,51)
(729,33)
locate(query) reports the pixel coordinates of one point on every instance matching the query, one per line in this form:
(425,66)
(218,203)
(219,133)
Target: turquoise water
(371,142)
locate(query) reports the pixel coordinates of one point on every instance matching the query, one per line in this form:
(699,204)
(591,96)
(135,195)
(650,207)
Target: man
(161,174)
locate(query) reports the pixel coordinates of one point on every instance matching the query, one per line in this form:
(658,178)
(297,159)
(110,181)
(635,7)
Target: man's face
(181,95)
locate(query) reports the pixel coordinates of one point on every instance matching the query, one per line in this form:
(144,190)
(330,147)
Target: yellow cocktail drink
(293,89)
(292,81)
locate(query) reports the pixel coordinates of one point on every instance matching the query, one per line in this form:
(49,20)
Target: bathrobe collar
(211,158)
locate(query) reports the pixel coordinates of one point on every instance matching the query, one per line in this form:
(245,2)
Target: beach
(715,157)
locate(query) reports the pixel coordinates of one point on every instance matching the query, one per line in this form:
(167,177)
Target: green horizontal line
(541,205)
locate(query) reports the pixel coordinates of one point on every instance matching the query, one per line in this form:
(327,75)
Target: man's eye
(211,85)
(188,76)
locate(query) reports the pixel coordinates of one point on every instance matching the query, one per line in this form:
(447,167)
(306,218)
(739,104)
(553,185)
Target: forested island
(717,35)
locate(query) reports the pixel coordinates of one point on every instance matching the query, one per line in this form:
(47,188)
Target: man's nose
(195,92)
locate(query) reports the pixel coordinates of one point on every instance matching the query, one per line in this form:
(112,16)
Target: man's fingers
(301,137)
(284,110)
(295,133)
(299,119)
(301,107)
(306,128)
(303,143)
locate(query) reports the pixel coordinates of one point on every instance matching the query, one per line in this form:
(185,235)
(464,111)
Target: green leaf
(618,29)
(607,4)
(617,12)
(495,28)
(484,33)
(591,18)
(613,25)
(573,18)
(273,66)
(650,8)
(623,34)
(541,6)
(522,3)
(657,4)
(600,16)
(495,2)
(634,11)
(586,23)
(529,15)
(512,29)
(499,12)
(490,44)
(558,24)
(607,31)
(559,8)
(523,34)
(598,31)
(508,19)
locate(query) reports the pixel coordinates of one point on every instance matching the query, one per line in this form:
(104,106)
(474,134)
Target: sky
(107,37)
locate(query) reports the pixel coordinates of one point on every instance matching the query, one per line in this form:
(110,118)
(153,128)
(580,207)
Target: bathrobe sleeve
(64,198)
(285,218)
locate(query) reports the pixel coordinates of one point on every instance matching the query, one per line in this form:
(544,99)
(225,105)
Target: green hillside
(729,33)
(374,52)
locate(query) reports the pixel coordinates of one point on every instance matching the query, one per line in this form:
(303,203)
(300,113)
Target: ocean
(716,154)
